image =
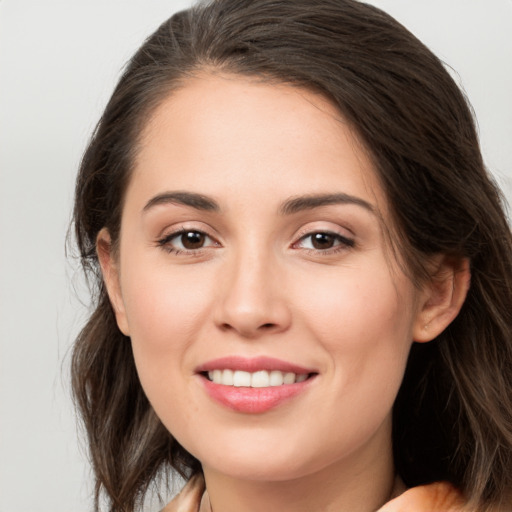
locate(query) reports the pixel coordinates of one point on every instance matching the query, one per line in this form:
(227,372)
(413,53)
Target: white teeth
(276,378)
(259,379)
(227,377)
(241,379)
(289,378)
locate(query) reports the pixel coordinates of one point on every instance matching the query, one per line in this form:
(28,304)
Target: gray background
(58,63)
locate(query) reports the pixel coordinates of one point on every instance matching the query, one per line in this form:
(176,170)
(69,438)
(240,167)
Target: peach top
(436,497)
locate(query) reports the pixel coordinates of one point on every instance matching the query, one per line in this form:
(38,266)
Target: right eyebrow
(310,202)
(192,199)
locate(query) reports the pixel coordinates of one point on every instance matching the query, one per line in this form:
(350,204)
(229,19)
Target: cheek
(165,311)
(358,304)
(363,318)
(363,323)
(166,308)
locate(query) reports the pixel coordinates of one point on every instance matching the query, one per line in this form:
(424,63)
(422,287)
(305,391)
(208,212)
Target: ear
(110,270)
(442,297)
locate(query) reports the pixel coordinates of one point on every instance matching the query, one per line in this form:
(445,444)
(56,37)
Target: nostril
(263,327)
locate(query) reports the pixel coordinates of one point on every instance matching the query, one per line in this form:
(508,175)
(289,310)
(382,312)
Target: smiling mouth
(258,379)
(254,385)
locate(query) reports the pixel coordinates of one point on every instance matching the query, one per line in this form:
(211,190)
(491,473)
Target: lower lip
(253,400)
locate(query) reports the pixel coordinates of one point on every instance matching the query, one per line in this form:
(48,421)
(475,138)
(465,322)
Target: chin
(262,470)
(245,457)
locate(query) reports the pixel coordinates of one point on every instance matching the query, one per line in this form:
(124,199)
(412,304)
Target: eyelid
(344,241)
(348,242)
(184,225)
(324,227)
(164,240)
(187,225)
(176,234)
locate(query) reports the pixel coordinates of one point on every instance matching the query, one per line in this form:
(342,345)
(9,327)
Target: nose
(253,298)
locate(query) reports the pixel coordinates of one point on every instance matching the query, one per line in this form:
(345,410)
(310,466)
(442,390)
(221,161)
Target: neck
(361,482)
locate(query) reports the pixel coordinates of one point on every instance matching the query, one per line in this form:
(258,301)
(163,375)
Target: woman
(304,271)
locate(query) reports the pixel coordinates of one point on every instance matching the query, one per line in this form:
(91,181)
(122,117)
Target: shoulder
(436,497)
(189,499)
(439,496)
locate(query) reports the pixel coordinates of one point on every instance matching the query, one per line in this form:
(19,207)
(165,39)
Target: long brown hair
(453,414)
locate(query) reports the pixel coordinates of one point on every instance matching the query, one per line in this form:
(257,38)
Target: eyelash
(165,242)
(343,243)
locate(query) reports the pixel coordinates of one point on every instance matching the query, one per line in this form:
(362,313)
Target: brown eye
(192,240)
(323,240)
(186,241)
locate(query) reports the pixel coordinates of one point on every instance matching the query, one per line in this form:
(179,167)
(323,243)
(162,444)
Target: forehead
(223,133)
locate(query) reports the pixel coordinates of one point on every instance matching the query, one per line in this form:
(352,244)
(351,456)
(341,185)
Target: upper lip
(252,364)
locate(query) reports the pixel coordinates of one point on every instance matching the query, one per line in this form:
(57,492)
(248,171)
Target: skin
(259,287)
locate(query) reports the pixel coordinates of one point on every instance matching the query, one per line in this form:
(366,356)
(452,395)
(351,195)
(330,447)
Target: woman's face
(252,253)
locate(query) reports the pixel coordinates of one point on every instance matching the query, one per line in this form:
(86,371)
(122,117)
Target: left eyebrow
(309,202)
(192,199)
